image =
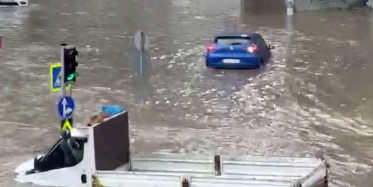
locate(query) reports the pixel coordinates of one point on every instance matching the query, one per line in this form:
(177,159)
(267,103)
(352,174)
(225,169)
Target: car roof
(233,34)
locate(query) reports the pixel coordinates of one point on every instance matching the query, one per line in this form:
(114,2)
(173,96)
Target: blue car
(237,50)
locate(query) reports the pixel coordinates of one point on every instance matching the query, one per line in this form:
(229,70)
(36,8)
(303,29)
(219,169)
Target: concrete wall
(262,6)
(327,4)
(267,6)
(369,3)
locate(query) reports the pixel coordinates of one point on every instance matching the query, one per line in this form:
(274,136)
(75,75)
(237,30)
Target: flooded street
(314,95)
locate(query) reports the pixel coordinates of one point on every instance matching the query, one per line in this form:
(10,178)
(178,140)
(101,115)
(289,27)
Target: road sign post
(63,91)
(142,44)
(62,75)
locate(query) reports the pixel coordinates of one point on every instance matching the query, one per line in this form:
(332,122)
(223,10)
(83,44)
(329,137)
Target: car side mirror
(271,47)
(65,134)
(37,164)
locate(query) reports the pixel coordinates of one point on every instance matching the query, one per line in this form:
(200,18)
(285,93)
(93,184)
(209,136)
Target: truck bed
(174,170)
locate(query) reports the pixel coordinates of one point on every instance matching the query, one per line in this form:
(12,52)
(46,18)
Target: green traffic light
(71,76)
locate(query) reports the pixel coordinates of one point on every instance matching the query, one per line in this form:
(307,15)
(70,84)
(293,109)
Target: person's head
(101,116)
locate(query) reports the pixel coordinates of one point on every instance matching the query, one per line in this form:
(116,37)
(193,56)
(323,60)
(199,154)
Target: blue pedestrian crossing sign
(55,77)
(65,107)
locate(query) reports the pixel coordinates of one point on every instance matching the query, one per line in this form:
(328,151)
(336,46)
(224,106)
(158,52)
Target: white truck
(101,154)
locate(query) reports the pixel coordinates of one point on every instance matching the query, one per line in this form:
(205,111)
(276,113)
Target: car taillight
(211,47)
(252,49)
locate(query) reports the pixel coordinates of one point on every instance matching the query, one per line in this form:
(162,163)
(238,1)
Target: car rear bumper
(245,60)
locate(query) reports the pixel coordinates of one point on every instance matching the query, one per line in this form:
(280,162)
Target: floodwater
(314,95)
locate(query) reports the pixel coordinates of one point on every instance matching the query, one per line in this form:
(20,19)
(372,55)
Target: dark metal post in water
(142,44)
(217,164)
(142,34)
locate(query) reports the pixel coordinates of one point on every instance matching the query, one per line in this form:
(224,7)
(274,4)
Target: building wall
(262,6)
(266,6)
(328,4)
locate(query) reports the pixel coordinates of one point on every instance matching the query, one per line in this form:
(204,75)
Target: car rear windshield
(232,40)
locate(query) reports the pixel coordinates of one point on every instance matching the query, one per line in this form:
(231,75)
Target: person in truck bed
(98,118)
(106,111)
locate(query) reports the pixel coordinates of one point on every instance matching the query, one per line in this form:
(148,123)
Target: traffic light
(70,64)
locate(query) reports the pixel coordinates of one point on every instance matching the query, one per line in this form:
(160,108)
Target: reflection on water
(313,95)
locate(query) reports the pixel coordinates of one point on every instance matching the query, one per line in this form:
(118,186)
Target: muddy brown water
(314,95)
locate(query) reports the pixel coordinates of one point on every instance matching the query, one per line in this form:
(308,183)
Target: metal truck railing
(205,171)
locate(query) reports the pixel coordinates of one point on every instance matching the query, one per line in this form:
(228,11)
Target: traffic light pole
(63,83)
(63,90)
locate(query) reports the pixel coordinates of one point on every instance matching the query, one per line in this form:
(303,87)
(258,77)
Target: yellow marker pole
(66,125)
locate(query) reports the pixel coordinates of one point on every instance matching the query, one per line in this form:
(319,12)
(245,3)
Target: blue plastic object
(111,109)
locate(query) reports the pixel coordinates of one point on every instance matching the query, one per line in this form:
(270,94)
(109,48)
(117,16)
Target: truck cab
(64,163)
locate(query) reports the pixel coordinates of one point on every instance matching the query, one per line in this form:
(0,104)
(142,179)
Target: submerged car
(13,2)
(237,50)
